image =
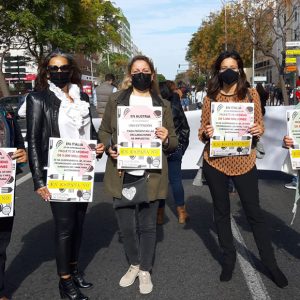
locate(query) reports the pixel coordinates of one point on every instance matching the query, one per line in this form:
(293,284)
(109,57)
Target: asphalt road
(186,265)
(187,257)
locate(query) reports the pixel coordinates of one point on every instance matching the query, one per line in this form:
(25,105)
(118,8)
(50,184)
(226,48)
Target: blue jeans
(175,178)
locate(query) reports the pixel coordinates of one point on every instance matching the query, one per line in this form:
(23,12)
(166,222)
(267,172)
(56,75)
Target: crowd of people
(58,108)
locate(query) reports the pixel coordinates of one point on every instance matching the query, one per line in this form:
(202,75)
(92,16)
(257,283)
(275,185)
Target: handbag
(133,193)
(260,150)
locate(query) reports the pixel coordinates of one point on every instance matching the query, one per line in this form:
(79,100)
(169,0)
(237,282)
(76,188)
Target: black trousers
(139,241)
(68,219)
(6,225)
(247,188)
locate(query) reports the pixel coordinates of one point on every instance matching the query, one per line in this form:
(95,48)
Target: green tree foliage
(160,77)
(84,26)
(114,63)
(211,39)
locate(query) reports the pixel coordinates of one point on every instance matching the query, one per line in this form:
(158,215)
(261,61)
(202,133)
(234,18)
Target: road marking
(253,279)
(23,179)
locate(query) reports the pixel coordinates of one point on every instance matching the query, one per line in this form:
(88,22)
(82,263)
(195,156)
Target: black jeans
(68,219)
(139,241)
(6,225)
(247,188)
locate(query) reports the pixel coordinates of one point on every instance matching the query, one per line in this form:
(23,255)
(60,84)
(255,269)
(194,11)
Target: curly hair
(41,81)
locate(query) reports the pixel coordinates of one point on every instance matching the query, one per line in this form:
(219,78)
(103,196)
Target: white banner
(275,129)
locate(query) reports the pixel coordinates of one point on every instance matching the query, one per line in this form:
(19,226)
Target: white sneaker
(146,285)
(130,276)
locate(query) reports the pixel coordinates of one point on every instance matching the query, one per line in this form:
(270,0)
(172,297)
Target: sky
(162,29)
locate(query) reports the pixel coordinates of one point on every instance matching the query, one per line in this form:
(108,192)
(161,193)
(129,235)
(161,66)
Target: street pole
(253,55)
(225,22)
(225,26)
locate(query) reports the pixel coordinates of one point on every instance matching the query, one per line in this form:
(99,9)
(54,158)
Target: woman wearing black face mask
(139,88)
(228,84)
(59,109)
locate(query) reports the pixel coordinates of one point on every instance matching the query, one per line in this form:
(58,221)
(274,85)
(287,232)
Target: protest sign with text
(71,169)
(7,181)
(293,129)
(138,146)
(231,123)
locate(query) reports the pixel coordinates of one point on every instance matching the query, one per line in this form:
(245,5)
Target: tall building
(264,65)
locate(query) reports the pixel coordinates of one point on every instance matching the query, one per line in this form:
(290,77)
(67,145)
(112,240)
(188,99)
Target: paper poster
(231,122)
(137,144)
(293,128)
(7,182)
(71,169)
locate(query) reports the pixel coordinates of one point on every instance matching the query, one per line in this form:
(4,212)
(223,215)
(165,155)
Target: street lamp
(224,2)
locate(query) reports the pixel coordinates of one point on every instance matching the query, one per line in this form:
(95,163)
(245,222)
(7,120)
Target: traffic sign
(293,44)
(292,68)
(290,60)
(260,78)
(293,52)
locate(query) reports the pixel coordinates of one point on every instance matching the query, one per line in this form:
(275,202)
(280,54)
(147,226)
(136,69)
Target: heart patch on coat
(129,193)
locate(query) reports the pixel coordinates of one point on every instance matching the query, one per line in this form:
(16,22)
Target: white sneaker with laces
(130,276)
(146,285)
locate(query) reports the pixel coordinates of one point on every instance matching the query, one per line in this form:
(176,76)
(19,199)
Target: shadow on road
(201,222)
(283,235)
(38,244)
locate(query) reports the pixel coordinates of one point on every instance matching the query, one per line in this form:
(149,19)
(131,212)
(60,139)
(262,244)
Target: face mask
(60,79)
(141,81)
(229,76)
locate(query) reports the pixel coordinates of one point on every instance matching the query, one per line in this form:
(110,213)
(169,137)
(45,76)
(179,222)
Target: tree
(81,26)
(207,43)
(270,22)
(8,31)
(160,77)
(114,63)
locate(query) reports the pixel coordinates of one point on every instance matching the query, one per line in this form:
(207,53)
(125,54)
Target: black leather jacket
(181,125)
(42,109)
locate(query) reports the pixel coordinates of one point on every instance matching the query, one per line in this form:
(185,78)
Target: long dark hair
(215,84)
(165,91)
(42,76)
(127,80)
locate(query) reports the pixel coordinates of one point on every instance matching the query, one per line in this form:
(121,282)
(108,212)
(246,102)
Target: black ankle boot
(227,271)
(68,289)
(79,280)
(278,277)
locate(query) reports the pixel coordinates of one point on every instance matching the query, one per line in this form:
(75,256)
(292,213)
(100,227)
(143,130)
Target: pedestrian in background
(228,84)
(200,95)
(263,96)
(10,137)
(139,88)
(59,109)
(182,130)
(103,92)
(185,101)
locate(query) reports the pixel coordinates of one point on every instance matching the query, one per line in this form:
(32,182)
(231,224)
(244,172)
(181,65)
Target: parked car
(12,103)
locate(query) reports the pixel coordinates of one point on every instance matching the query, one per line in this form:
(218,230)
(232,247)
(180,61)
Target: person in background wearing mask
(139,88)
(228,84)
(59,109)
(10,137)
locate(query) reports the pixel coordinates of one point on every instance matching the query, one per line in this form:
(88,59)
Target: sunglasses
(63,68)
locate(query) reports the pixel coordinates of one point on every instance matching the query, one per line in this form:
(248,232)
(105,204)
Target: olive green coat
(157,184)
